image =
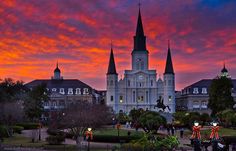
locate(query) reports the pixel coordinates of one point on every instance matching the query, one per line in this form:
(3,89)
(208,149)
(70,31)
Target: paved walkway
(183,141)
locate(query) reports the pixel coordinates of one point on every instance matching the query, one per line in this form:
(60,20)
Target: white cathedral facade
(140,87)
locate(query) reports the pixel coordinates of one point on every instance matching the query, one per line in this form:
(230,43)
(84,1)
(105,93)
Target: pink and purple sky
(34,34)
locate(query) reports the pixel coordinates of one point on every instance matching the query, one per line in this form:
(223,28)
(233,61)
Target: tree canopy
(11,90)
(33,103)
(150,121)
(220,97)
(81,116)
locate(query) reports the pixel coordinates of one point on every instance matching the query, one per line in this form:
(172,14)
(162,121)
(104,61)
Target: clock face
(139,59)
(140,77)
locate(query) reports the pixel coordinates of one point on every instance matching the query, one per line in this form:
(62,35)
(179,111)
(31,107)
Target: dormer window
(85,91)
(54,89)
(70,90)
(204,90)
(62,91)
(195,90)
(78,91)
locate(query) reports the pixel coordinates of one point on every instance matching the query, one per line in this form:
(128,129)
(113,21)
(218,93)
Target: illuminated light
(89,129)
(196,123)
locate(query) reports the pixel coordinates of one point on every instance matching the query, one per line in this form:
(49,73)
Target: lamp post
(196,136)
(40,126)
(118,129)
(89,136)
(113,122)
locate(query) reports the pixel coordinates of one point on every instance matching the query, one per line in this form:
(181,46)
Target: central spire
(139,38)
(139,29)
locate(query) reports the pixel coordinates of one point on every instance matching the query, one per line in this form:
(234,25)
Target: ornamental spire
(139,38)
(112,65)
(169,66)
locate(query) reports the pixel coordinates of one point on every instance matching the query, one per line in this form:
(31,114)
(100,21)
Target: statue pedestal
(169,117)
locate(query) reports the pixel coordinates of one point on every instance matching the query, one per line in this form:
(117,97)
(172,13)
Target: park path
(183,141)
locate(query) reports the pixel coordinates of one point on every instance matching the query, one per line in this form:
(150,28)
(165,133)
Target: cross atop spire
(139,4)
(168,44)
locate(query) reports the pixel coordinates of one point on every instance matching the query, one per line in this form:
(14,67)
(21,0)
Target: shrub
(3,131)
(17,129)
(114,139)
(153,143)
(55,132)
(55,140)
(28,126)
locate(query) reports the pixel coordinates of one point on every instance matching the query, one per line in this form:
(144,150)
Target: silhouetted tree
(33,103)
(220,95)
(11,90)
(11,95)
(80,117)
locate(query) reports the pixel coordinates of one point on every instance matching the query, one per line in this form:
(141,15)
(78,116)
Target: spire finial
(111,45)
(139,5)
(168,43)
(57,63)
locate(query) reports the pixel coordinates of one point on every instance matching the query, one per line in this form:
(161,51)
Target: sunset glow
(35,34)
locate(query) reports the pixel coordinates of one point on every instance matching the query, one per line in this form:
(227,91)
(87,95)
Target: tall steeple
(169,66)
(112,65)
(139,38)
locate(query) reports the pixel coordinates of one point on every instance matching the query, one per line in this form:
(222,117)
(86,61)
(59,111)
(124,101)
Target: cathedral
(139,87)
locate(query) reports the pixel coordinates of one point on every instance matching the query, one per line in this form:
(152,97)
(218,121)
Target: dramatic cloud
(34,35)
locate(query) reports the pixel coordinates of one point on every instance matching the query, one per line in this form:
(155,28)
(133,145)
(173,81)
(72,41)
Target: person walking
(172,130)
(168,129)
(181,132)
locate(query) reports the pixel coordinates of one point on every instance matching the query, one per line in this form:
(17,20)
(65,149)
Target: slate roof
(62,83)
(205,83)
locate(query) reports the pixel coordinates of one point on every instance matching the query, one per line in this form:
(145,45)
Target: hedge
(55,140)
(55,132)
(114,139)
(28,126)
(3,131)
(17,129)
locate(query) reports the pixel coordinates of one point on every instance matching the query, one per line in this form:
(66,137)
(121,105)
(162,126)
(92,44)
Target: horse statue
(161,105)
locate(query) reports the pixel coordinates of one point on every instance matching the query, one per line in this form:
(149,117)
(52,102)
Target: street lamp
(89,136)
(169,98)
(113,122)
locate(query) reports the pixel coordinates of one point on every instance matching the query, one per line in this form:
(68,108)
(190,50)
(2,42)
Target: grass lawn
(19,140)
(114,132)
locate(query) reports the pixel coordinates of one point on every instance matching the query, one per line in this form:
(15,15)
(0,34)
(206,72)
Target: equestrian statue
(161,105)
